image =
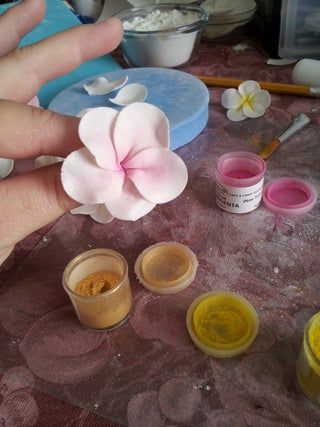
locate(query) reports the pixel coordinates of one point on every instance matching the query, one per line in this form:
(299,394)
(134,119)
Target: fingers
(30,132)
(18,21)
(30,201)
(25,70)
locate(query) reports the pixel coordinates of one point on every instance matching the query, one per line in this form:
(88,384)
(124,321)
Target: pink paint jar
(239,181)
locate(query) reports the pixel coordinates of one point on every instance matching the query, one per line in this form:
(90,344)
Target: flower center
(247,101)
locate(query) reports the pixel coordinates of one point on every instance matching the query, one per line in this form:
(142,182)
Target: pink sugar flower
(126,164)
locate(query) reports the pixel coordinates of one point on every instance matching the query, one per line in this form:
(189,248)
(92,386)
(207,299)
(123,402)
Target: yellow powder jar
(308,366)
(106,310)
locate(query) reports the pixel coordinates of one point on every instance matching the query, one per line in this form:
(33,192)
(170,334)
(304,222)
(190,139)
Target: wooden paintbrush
(286,88)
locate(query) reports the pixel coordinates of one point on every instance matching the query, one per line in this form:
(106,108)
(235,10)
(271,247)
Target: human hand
(31,200)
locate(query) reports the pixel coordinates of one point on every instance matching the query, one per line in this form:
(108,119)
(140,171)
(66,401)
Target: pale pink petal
(139,126)
(84,209)
(231,99)
(248,87)
(102,215)
(95,131)
(86,183)
(34,102)
(262,98)
(236,115)
(159,175)
(255,112)
(130,205)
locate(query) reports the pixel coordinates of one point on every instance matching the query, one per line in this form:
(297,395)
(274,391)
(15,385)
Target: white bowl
(171,47)
(221,25)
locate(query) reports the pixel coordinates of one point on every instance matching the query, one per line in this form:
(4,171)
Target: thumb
(30,201)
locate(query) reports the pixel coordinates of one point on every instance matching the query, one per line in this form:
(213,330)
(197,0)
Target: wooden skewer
(286,88)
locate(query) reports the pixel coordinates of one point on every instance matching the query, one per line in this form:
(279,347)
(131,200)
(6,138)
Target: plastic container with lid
(300,29)
(308,367)
(289,29)
(239,181)
(222,324)
(108,309)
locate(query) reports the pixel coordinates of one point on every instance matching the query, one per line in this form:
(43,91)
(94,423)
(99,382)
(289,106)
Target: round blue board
(183,98)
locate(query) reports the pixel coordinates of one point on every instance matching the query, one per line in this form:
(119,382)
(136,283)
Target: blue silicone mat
(183,98)
(58,18)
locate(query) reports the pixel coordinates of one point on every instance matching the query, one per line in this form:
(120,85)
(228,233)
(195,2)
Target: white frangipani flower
(249,100)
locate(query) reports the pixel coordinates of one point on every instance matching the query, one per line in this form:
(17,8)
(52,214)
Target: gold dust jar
(308,366)
(108,309)
(222,324)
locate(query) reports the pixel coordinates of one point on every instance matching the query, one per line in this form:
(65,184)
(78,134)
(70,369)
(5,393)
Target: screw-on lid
(166,268)
(289,196)
(222,324)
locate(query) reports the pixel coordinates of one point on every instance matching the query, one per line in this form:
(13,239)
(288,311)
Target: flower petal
(159,175)
(130,205)
(231,98)
(84,209)
(140,126)
(46,160)
(248,87)
(86,183)
(236,115)
(251,112)
(83,112)
(103,86)
(102,215)
(34,102)
(262,98)
(95,131)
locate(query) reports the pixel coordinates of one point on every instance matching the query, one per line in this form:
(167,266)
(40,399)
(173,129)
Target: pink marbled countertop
(148,372)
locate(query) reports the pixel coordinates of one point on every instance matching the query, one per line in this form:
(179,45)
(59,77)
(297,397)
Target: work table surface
(148,372)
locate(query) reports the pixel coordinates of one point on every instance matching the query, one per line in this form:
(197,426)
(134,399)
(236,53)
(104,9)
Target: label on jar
(239,199)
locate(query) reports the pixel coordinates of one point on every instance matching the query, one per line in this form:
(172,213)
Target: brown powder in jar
(97,283)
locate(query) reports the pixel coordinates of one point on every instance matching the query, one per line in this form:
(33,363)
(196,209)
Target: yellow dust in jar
(308,366)
(222,324)
(107,309)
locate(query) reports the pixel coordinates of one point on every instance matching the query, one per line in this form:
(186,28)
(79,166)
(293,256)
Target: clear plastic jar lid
(166,268)
(222,324)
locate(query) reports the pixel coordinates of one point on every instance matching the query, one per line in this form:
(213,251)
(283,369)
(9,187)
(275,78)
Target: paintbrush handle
(286,88)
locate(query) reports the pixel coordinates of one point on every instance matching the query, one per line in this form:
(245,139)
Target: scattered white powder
(157,20)
(241,47)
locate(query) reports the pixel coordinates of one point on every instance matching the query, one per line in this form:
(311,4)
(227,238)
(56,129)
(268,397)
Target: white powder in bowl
(150,45)
(157,20)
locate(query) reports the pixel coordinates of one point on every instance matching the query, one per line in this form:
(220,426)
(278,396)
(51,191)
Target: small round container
(166,268)
(289,196)
(308,366)
(222,324)
(239,181)
(229,23)
(172,47)
(108,309)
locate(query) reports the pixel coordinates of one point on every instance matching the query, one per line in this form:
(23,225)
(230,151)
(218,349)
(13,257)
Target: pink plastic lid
(289,196)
